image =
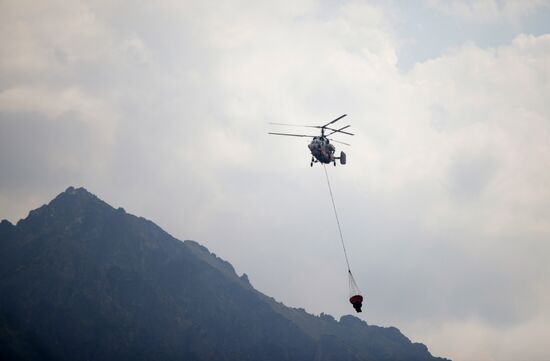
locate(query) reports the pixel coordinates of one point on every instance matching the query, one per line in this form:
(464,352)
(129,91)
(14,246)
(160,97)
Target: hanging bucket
(357,302)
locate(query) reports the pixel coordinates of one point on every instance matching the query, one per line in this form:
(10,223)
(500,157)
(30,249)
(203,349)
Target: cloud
(473,165)
(480,341)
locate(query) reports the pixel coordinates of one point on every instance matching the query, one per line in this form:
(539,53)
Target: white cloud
(490,104)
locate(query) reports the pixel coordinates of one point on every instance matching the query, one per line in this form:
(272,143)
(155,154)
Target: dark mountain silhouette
(80,280)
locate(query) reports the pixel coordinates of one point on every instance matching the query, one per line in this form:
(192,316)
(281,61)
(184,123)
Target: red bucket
(357,302)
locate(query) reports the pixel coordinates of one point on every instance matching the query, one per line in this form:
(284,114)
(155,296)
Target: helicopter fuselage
(321,150)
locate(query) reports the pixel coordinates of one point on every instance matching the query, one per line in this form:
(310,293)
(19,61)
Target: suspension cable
(337,220)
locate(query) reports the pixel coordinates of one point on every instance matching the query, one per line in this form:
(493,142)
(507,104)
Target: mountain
(80,280)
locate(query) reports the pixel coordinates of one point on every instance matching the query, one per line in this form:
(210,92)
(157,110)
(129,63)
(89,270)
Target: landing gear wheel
(334,162)
(311,164)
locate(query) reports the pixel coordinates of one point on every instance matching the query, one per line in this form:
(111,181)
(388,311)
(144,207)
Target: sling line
(337,221)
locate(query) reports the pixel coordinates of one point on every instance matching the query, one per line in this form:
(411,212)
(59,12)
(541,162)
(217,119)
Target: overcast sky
(162,107)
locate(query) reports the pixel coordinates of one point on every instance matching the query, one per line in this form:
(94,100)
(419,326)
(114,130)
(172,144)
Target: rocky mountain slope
(80,280)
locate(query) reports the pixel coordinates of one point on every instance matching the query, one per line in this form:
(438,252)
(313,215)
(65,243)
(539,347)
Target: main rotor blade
(296,125)
(335,120)
(337,141)
(294,135)
(339,130)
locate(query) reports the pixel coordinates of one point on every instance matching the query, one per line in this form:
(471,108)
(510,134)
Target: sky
(163,108)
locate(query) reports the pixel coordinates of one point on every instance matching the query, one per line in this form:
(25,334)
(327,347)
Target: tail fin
(342,158)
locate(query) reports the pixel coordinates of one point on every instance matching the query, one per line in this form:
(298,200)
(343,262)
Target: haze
(162,108)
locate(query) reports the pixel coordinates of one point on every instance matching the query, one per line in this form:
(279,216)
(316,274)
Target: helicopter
(321,149)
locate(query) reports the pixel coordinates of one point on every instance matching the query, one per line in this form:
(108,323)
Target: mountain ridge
(80,264)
